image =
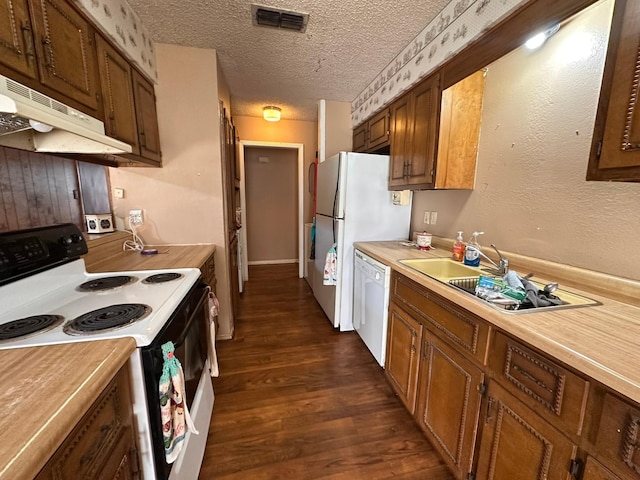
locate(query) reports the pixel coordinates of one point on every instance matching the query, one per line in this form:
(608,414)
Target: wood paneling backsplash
(37,190)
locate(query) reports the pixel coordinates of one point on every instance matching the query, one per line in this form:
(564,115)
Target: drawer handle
(529,376)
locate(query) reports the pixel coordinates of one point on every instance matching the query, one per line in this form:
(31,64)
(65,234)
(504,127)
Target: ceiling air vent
(277,18)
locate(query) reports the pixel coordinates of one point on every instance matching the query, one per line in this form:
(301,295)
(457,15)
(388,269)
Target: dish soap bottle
(458,248)
(471,255)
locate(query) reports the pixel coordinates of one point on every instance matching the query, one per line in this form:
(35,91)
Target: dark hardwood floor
(297,400)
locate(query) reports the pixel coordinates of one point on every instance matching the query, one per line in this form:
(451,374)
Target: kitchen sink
(465,278)
(442,269)
(569,300)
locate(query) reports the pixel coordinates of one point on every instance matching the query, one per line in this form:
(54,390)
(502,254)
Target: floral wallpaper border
(117,20)
(457,25)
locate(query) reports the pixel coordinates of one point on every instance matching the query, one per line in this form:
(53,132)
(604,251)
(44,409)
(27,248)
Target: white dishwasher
(371,303)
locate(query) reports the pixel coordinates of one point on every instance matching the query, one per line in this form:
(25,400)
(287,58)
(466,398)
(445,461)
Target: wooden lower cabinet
(594,470)
(209,272)
(102,446)
(518,444)
(449,395)
(402,360)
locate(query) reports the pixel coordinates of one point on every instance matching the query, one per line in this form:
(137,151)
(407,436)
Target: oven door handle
(180,340)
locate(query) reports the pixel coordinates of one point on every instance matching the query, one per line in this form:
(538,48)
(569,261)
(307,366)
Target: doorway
(271,197)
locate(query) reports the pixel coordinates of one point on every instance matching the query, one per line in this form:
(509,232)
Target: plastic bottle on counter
(471,255)
(458,248)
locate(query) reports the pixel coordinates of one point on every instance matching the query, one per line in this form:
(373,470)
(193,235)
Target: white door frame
(243,200)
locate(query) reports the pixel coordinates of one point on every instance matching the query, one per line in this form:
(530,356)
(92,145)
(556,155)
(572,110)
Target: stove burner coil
(162,277)
(105,283)
(27,326)
(107,318)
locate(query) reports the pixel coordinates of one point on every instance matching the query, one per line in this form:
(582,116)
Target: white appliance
(46,291)
(371,303)
(30,120)
(353,204)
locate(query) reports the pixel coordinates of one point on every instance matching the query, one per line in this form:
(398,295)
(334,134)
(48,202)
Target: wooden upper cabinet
(64,45)
(146,117)
(16,40)
(414,143)
(615,152)
(360,138)
(460,118)
(117,95)
(373,135)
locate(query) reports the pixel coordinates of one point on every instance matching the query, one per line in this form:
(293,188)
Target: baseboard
(272,262)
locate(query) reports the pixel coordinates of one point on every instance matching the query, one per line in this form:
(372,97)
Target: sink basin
(465,278)
(570,300)
(442,269)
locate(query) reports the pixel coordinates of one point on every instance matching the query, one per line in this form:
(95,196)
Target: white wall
(531,196)
(183,200)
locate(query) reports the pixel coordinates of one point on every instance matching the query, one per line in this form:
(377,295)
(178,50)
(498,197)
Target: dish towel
(174,413)
(214,308)
(331,267)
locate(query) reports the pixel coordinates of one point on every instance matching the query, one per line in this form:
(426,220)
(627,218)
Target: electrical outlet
(427,217)
(434,218)
(136,217)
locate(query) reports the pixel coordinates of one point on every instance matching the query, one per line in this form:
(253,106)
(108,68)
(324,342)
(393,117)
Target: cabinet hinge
(471,476)
(482,388)
(575,468)
(599,151)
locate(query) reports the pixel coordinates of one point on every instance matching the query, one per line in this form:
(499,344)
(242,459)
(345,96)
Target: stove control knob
(65,241)
(75,238)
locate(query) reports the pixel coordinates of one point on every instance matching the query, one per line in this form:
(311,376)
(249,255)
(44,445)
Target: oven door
(187,329)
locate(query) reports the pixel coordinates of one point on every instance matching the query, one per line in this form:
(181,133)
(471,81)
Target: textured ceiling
(346,44)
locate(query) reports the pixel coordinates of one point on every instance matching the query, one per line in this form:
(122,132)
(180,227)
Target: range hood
(32,121)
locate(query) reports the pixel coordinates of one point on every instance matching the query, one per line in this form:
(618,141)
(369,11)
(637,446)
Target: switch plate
(427,217)
(434,218)
(118,192)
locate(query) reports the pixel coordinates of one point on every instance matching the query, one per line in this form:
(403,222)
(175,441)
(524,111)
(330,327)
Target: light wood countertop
(45,392)
(601,341)
(106,255)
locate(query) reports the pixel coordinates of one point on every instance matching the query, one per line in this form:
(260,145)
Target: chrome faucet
(502,267)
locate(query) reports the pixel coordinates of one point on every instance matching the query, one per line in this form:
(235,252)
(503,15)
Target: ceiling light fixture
(538,40)
(271,114)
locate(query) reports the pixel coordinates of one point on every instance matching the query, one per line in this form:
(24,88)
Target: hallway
(298,400)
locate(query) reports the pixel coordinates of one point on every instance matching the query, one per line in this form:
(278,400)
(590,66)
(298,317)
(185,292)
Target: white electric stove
(47,298)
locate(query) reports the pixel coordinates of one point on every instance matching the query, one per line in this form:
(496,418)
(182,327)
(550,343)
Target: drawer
(551,390)
(467,332)
(91,443)
(618,435)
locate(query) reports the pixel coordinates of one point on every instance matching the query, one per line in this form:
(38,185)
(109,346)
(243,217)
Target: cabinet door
(594,470)
(65,51)
(378,131)
(426,107)
(117,95)
(16,40)
(615,154)
(122,462)
(146,117)
(517,444)
(449,403)
(402,360)
(360,138)
(400,113)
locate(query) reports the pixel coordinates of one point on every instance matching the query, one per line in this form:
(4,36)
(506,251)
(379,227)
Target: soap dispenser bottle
(458,248)
(472,255)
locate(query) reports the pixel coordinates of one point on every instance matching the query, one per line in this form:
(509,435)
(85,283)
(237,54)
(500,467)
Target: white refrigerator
(352,204)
